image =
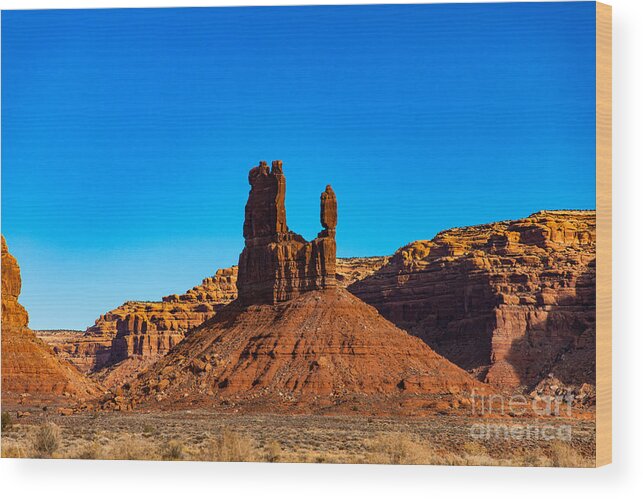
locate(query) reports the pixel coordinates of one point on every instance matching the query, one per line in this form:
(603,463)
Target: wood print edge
(604,234)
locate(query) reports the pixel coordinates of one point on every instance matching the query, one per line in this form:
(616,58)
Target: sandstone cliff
(31,373)
(512,302)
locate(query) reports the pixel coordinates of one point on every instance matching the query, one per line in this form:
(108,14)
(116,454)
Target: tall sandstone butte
(293,338)
(277,264)
(31,373)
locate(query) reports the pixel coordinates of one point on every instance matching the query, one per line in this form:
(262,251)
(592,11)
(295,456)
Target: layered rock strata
(512,302)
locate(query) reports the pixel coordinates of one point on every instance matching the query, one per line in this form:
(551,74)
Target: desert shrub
(132,449)
(230,446)
(396,448)
(273,452)
(564,455)
(149,429)
(7,421)
(91,450)
(45,440)
(172,451)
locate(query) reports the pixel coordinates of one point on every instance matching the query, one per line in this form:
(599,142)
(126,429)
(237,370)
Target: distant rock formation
(31,373)
(143,331)
(84,351)
(277,264)
(350,270)
(512,302)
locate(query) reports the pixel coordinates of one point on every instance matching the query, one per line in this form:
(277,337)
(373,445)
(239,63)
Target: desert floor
(202,435)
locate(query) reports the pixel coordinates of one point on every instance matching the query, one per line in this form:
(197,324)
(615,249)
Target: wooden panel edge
(604,234)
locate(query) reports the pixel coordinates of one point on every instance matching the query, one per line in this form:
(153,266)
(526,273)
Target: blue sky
(127,134)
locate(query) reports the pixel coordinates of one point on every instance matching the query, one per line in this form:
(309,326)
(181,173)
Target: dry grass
(90,450)
(7,421)
(402,449)
(273,452)
(14,451)
(396,448)
(173,451)
(230,446)
(45,440)
(283,439)
(132,448)
(564,455)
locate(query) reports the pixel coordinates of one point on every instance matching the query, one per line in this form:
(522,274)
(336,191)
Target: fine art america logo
(521,406)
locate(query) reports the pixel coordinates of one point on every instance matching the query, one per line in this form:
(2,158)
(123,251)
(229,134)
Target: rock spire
(277,264)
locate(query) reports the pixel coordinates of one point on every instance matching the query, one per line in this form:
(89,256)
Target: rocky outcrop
(220,289)
(277,264)
(511,302)
(31,372)
(508,301)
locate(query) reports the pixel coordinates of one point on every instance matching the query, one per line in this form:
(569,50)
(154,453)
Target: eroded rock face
(146,330)
(85,352)
(508,301)
(277,264)
(31,372)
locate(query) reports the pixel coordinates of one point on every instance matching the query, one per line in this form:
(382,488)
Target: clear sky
(127,134)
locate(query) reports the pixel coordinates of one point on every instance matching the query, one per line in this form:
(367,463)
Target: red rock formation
(31,373)
(276,264)
(328,210)
(322,349)
(506,301)
(150,329)
(143,330)
(293,338)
